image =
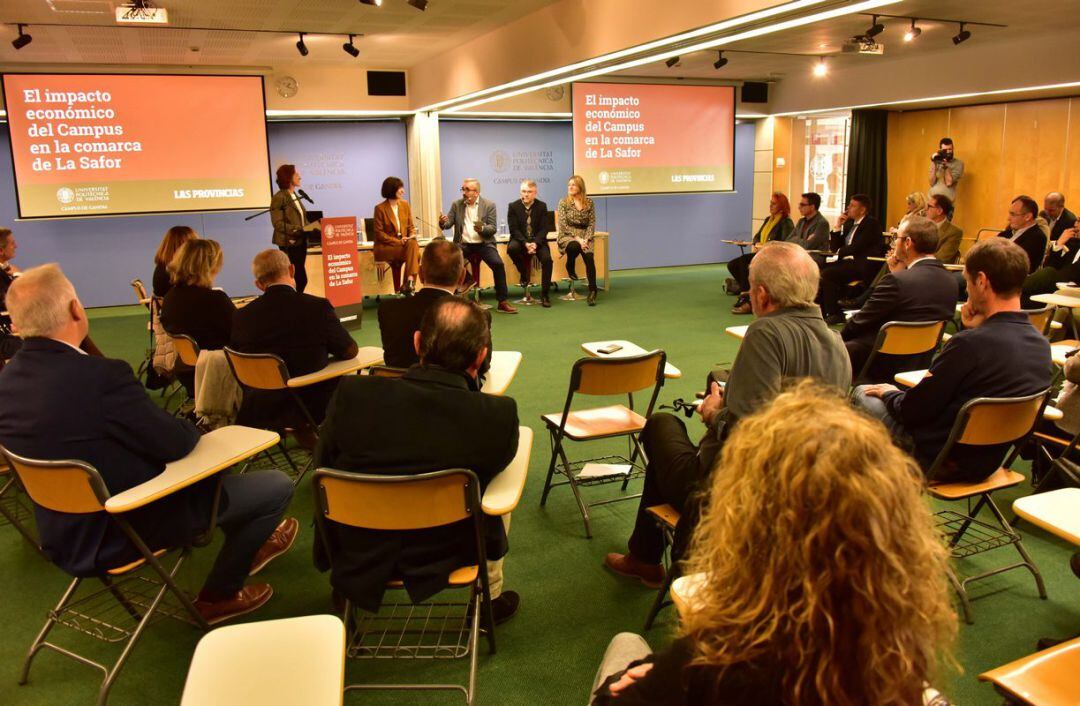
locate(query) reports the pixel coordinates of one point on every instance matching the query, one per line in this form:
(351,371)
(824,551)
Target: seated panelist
(577,227)
(395,235)
(528,237)
(473,219)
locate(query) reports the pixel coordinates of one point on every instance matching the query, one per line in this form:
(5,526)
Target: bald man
(1058,218)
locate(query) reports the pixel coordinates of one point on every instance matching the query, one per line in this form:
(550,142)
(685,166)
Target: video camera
(940,157)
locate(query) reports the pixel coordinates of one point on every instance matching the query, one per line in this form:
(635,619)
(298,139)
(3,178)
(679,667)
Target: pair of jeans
(573,250)
(490,255)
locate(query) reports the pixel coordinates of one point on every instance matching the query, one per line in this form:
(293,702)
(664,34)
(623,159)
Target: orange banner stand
(341,269)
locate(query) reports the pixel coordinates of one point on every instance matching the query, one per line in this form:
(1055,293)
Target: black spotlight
(301,47)
(672,62)
(22,40)
(875,29)
(376,3)
(720,62)
(420,5)
(962,36)
(350,48)
(912,33)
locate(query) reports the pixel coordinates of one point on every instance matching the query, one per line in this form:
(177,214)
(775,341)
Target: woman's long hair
(822,558)
(174,238)
(784,206)
(196,263)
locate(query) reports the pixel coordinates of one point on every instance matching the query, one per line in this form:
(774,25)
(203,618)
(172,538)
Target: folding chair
(474,260)
(429,630)
(603,376)
(1046,678)
(1041,318)
(903,338)
(14,510)
(667,519)
(146,300)
(270,663)
(1060,465)
(266,371)
(985,421)
(187,353)
(130,599)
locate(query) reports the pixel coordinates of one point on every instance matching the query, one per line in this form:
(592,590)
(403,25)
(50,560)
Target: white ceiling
(396,35)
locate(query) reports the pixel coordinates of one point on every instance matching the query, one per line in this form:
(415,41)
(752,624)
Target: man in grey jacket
(474,222)
(812,230)
(788,341)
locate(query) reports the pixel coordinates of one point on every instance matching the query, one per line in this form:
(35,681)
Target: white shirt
(1056,247)
(299,207)
(74,348)
(472,214)
(397,221)
(851,233)
(1016,234)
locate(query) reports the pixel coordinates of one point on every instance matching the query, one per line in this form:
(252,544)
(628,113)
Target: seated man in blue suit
(75,406)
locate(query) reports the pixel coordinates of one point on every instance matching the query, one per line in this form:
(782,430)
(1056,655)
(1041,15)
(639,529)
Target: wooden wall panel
(977,132)
(782,150)
(1071,182)
(1035,135)
(913,137)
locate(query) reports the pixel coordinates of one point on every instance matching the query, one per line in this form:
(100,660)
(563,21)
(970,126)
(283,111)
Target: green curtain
(867,171)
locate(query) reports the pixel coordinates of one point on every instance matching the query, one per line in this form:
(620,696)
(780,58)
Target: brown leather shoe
(506,308)
(245,600)
(280,542)
(745,308)
(652,575)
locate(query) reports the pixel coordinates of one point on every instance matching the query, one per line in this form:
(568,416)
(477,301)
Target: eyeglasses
(803,204)
(466,190)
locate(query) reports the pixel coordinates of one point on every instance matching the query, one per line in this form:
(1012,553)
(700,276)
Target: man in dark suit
(1058,218)
(997,354)
(528,236)
(474,222)
(1062,264)
(441,270)
(1025,232)
(448,423)
(302,330)
(917,288)
(858,235)
(76,406)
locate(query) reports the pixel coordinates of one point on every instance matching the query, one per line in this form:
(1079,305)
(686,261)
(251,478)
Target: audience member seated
(75,406)
(777,226)
(528,238)
(9,343)
(817,552)
(442,269)
(193,307)
(1025,232)
(917,288)
(302,330)
(939,209)
(857,236)
(812,230)
(395,235)
(431,419)
(1062,265)
(1058,218)
(174,238)
(997,354)
(916,206)
(788,340)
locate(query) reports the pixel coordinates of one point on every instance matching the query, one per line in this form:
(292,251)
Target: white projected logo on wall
(65,195)
(500,160)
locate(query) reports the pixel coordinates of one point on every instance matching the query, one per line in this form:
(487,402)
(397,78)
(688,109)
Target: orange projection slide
(95,145)
(654,138)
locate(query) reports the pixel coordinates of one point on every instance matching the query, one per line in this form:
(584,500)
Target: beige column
(425,181)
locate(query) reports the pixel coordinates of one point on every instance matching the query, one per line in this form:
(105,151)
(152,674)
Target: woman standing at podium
(289,218)
(577,224)
(395,235)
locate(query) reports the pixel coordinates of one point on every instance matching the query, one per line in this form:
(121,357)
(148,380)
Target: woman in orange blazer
(395,235)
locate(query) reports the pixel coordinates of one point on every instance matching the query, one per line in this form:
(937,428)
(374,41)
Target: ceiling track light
(672,62)
(420,5)
(875,29)
(913,32)
(22,40)
(376,3)
(962,36)
(300,46)
(720,62)
(821,68)
(350,48)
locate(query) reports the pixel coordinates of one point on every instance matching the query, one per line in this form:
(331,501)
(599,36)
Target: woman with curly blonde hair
(826,581)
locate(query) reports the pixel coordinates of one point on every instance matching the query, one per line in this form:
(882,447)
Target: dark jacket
(1062,260)
(302,330)
(1033,241)
(485,212)
(288,223)
(867,241)
(781,231)
(399,319)
(92,409)
(811,234)
(924,292)
(200,312)
(161,282)
(5,283)
(1003,357)
(1064,222)
(450,425)
(515,221)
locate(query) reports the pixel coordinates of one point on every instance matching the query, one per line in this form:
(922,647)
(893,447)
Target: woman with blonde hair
(577,225)
(825,582)
(193,307)
(174,238)
(916,206)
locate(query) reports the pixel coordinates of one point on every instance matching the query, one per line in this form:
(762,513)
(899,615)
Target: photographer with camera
(945,170)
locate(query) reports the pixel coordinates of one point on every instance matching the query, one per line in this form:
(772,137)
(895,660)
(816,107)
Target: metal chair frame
(474,261)
(982,536)
(534,266)
(14,510)
(557,437)
(671,567)
(127,593)
(185,398)
(428,630)
(141,295)
(883,337)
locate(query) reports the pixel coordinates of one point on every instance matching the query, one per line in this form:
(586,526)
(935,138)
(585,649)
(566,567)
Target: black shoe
(545,302)
(407,288)
(505,606)
(835,319)
(592,297)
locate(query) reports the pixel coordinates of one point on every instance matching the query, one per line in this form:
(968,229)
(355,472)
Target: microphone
(437,229)
(305,197)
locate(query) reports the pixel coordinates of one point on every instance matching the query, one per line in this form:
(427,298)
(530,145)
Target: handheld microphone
(304,196)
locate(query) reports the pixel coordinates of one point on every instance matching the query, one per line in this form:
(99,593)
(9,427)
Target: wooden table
(365,358)
(683,590)
(504,491)
(738,332)
(628,350)
(504,366)
(215,452)
(1056,299)
(1057,512)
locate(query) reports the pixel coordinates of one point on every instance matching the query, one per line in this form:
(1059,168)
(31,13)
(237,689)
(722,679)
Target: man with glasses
(945,170)
(812,230)
(939,209)
(1025,232)
(474,222)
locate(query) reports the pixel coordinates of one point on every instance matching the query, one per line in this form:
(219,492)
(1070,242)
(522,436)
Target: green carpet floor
(571,606)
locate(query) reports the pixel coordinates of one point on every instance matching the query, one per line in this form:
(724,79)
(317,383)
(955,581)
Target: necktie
(528,223)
